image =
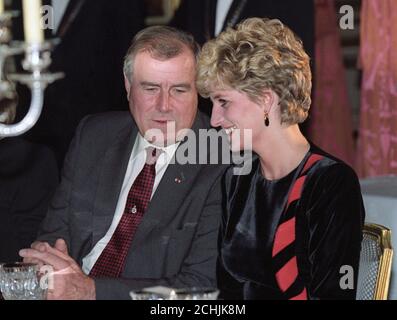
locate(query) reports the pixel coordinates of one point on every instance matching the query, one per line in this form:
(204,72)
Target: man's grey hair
(162,42)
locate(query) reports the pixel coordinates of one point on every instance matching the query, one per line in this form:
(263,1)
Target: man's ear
(127,86)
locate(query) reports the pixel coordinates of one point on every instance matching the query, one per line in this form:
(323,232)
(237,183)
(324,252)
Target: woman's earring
(267,122)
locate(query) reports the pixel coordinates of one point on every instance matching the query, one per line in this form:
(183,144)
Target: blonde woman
(292,228)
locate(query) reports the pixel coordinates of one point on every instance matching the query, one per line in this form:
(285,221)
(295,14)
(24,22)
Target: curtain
(331,126)
(377,146)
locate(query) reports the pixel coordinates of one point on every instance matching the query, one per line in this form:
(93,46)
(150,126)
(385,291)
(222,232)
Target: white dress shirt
(222,9)
(135,166)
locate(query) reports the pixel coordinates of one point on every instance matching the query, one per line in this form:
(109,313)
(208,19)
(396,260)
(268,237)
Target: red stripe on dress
(311,161)
(287,274)
(296,191)
(301,296)
(285,235)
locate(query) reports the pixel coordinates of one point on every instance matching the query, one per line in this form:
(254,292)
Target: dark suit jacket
(198,17)
(28,179)
(175,244)
(95,36)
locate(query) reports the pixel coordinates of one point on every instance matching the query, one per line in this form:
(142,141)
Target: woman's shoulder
(331,192)
(329,168)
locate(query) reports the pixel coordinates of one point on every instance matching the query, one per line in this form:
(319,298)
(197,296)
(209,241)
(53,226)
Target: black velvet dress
(329,217)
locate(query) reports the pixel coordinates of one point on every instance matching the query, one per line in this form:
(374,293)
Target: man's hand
(39,246)
(70,283)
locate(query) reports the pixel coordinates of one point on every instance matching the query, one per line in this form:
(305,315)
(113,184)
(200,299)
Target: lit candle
(1,6)
(32,21)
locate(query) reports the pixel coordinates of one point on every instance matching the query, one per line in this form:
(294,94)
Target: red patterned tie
(111,261)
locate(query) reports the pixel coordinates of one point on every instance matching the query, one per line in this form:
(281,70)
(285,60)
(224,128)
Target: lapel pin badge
(179,179)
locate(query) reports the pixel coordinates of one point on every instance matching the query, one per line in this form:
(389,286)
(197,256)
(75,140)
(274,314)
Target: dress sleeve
(229,287)
(335,217)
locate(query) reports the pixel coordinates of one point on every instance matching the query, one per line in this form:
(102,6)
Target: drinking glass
(164,293)
(142,295)
(195,293)
(21,281)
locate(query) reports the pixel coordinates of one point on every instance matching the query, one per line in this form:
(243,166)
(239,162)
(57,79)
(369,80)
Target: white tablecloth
(380,202)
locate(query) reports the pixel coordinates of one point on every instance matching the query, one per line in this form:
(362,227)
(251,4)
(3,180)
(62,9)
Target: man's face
(162,95)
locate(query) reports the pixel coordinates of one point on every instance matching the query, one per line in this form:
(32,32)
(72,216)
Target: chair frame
(383,236)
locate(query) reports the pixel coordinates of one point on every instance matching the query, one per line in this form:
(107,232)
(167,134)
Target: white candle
(32,21)
(1,6)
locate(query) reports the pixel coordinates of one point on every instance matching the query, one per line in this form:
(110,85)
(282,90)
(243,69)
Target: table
(380,202)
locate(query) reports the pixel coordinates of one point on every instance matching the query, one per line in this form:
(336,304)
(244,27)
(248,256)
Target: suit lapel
(71,12)
(234,13)
(209,18)
(113,168)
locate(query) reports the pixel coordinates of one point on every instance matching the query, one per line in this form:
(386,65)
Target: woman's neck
(281,151)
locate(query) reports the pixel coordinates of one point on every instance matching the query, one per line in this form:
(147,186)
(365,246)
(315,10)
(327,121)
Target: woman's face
(240,118)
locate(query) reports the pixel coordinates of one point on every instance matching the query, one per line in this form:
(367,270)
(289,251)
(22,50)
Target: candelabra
(36,61)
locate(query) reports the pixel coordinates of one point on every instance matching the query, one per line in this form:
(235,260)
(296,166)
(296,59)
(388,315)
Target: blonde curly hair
(259,54)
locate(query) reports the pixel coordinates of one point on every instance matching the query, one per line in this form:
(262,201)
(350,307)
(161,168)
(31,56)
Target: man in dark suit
(201,17)
(205,19)
(175,242)
(28,179)
(94,36)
